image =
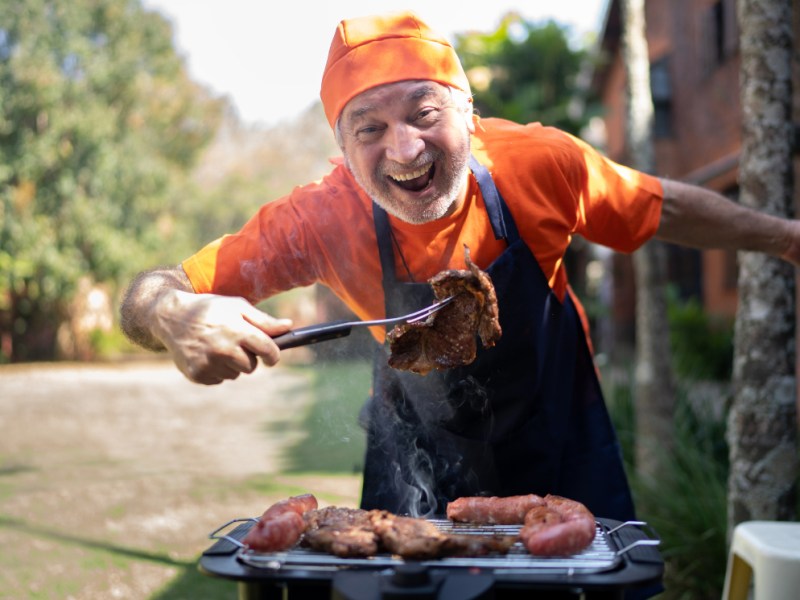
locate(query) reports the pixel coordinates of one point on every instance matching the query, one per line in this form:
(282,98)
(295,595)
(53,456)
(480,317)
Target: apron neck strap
(502,223)
(383,230)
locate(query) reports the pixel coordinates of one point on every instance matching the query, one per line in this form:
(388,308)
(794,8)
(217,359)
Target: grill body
(622,558)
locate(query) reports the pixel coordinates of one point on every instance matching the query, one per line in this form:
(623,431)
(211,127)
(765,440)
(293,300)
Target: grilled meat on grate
(343,532)
(506,510)
(348,533)
(281,525)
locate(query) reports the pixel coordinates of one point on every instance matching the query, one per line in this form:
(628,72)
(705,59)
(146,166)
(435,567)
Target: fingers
(270,325)
(258,343)
(211,370)
(242,351)
(216,338)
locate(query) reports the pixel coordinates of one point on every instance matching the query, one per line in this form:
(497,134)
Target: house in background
(694,72)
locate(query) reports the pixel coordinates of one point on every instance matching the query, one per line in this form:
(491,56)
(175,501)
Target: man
(421,178)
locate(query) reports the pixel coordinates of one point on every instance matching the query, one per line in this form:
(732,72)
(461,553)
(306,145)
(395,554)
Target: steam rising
(427,466)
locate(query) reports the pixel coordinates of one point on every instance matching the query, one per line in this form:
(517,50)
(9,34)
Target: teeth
(412,175)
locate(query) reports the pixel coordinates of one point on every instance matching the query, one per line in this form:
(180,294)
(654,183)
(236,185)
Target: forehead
(392,94)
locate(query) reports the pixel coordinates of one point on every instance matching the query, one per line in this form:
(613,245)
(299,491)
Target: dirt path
(112,475)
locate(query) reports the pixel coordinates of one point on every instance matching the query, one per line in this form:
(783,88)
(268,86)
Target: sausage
(509,510)
(281,525)
(561,539)
(278,533)
(542,516)
(559,528)
(570,509)
(298,504)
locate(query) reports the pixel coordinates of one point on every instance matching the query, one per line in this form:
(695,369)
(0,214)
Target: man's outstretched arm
(700,218)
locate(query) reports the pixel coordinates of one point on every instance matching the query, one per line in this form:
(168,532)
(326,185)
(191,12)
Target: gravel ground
(111,476)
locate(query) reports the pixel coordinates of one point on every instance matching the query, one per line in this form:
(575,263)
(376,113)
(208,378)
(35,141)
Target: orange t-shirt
(555,185)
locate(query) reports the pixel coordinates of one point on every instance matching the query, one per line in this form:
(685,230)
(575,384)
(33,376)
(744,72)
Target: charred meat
(418,539)
(343,532)
(448,338)
(356,533)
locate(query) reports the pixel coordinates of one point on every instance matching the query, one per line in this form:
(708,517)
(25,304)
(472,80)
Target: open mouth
(414,181)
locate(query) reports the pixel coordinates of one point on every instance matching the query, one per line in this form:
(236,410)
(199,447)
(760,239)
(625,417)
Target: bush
(688,506)
(702,347)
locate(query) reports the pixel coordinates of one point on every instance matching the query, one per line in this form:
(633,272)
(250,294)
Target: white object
(768,552)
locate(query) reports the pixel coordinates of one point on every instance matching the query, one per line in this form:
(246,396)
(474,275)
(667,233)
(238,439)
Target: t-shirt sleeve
(319,233)
(266,256)
(619,207)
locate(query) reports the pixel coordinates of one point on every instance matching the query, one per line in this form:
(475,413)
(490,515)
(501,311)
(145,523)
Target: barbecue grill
(622,556)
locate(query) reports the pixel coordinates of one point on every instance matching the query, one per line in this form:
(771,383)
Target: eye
(368,133)
(426,114)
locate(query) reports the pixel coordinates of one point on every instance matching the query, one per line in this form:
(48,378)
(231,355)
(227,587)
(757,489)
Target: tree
(523,72)
(245,166)
(762,423)
(97,120)
(654,389)
(527,72)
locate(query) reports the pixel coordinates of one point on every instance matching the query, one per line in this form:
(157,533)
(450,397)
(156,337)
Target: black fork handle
(312,334)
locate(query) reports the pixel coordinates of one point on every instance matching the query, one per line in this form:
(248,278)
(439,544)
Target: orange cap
(370,51)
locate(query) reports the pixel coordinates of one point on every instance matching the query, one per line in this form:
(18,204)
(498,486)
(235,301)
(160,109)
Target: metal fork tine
(338,329)
(428,310)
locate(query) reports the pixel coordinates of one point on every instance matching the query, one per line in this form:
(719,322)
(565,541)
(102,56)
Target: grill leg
(254,590)
(604,595)
(250,590)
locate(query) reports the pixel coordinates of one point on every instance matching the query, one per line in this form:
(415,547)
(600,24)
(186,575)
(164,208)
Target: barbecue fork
(338,329)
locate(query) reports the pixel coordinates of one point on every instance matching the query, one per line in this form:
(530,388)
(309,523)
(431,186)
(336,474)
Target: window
(720,39)
(661,90)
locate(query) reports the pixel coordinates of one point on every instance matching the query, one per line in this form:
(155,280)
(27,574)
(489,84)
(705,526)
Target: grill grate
(600,556)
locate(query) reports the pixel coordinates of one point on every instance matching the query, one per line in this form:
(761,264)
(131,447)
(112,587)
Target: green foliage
(702,348)
(110,344)
(687,506)
(524,72)
(246,167)
(618,391)
(98,120)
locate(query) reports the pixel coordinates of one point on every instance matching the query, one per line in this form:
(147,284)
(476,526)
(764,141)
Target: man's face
(407,144)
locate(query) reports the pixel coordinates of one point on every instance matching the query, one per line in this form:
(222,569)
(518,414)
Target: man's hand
(213,338)
(792,251)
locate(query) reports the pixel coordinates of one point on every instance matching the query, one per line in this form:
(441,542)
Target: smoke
(417,493)
(427,463)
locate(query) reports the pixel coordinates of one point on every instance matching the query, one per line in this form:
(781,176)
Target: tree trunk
(762,424)
(653,389)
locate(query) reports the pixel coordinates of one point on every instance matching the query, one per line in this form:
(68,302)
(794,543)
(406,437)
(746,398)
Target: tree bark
(762,423)
(653,387)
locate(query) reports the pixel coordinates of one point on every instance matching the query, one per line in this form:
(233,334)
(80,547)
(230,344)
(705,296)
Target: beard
(449,175)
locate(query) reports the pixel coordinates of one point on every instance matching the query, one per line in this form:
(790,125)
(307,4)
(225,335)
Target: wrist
(791,244)
(163,310)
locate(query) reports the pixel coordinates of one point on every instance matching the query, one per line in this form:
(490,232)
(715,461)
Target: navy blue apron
(527,416)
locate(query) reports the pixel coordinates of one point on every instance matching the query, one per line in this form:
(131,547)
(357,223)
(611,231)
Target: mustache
(390,168)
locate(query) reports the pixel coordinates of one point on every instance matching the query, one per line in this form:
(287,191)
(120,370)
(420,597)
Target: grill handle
(214,535)
(651,540)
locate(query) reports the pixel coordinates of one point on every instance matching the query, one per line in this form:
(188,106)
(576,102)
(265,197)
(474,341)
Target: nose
(403,144)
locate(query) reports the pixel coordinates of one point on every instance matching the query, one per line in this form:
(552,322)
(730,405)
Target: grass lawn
(111,476)
(333,441)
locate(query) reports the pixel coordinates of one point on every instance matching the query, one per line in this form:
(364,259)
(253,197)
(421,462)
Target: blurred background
(133,132)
